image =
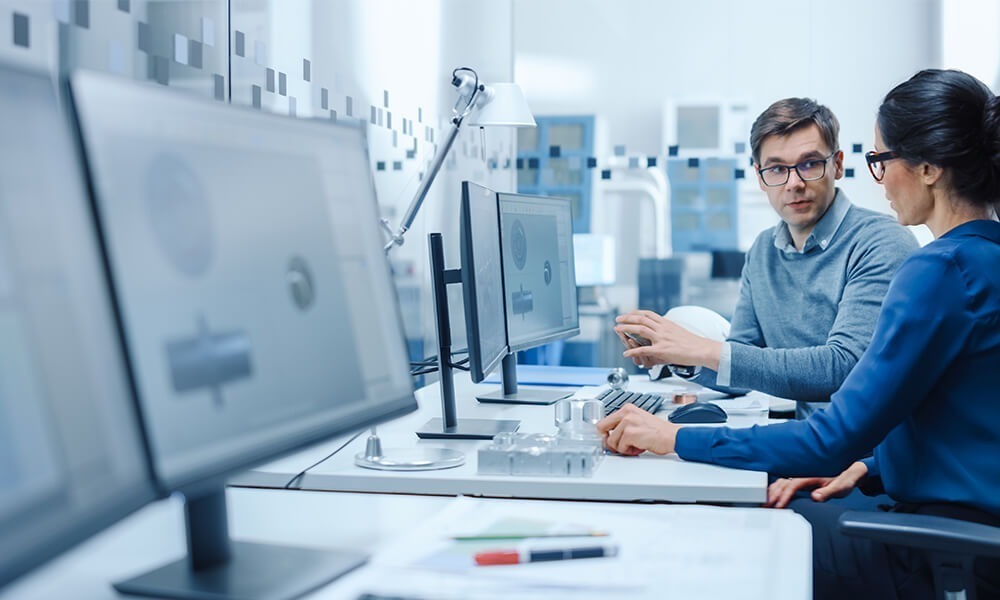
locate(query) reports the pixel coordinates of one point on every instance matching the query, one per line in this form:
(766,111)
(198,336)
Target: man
(811,287)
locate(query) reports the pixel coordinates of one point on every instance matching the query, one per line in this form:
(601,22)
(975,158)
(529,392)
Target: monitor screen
(72,460)
(538,269)
(256,302)
(482,280)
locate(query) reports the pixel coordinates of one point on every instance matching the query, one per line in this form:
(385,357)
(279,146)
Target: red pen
(514,556)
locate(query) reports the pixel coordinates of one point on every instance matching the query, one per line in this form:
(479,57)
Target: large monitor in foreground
(255,301)
(539,283)
(72,459)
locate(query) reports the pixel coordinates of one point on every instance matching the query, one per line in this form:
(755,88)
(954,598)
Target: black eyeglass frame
(873,158)
(795,167)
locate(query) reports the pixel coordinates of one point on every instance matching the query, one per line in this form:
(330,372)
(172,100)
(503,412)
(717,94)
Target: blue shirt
(924,398)
(804,318)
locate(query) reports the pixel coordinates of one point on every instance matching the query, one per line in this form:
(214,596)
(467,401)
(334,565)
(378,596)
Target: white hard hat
(701,321)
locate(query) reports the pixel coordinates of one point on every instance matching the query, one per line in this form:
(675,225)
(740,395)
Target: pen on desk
(517,556)
(525,536)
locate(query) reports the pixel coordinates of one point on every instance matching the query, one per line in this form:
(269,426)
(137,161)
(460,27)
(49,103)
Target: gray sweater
(803,319)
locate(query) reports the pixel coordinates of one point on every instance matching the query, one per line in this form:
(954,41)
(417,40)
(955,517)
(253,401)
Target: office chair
(952,544)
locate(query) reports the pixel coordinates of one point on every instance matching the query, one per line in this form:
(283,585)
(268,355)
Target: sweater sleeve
(743,329)
(922,328)
(814,373)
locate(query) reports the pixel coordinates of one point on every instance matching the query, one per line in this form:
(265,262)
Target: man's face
(800,204)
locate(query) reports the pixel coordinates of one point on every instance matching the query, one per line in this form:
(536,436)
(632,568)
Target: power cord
(301,474)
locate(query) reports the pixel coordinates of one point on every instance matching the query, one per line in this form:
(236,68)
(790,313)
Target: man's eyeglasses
(807,170)
(876,162)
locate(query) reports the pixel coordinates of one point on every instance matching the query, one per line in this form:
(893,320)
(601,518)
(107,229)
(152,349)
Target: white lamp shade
(506,106)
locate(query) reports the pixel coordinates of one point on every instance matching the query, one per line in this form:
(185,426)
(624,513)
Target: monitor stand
(216,567)
(509,393)
(449,426)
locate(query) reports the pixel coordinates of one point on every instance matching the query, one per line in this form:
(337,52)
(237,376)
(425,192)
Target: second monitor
(539,284)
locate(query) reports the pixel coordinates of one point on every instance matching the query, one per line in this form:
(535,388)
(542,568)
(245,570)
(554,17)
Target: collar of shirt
(822,233)
(981,228)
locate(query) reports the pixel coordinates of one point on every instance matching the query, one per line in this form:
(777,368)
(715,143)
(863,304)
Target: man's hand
(632,431)
(630,344)
(780,493)
(671,343)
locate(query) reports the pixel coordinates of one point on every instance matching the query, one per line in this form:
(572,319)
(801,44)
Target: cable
(472,97)
(288,486)
(433,360)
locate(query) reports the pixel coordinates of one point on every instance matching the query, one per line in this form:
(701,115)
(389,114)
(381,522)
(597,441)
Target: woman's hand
(632,431)
(780,493)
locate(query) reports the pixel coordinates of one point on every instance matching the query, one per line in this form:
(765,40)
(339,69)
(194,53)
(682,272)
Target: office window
(703,204)
(552,161)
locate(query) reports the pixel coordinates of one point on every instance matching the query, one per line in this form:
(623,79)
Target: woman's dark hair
(949,119)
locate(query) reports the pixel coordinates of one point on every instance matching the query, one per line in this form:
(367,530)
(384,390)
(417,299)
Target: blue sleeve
(814,373)
(871,484)
(922,328)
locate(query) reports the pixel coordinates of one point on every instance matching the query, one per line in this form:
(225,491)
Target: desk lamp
(499,104)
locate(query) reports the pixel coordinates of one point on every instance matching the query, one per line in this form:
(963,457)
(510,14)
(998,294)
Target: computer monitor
(72,459)
(482,280)
(538,269)
(539,282)
(255,301)
(481,277)
(728,264)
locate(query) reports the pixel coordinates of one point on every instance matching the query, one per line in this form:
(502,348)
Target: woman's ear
(930,174)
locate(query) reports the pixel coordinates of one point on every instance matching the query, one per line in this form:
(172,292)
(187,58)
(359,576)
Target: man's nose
(794,180)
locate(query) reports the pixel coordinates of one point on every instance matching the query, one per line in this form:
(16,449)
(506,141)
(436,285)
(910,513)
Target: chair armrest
(926,532)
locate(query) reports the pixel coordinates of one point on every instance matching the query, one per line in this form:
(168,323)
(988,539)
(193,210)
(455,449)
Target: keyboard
(614,399)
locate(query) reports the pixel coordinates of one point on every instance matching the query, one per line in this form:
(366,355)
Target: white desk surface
(618,478)
(777,563)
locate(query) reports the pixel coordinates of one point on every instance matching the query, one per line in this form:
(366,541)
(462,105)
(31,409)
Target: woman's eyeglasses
(876,162)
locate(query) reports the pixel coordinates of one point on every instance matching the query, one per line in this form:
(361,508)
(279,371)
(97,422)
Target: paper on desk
(680,548)
(750,404)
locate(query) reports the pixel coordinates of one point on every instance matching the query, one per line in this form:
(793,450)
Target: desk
(618,478)
(386,524)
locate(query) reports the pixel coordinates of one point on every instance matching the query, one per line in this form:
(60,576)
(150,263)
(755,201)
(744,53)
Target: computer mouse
(698,412)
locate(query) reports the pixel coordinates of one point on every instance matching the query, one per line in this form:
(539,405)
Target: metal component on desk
(685,398)
(406,459)
(540,454)
(618,378)
(577,419)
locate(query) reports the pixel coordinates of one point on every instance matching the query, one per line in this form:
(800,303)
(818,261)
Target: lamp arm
(396,237)
(469,88)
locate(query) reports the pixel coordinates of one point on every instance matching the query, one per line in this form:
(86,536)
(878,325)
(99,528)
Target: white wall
(623,60)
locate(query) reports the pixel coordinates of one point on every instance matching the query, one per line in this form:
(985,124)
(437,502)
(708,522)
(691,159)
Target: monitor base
(466,429)
(527,395)
(253,570)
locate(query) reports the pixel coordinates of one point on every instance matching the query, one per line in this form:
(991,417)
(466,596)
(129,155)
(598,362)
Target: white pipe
(656,190)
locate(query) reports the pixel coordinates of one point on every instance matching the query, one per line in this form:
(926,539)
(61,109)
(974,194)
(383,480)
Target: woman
(922,403)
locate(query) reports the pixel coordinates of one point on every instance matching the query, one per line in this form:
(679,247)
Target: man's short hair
(784,117)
